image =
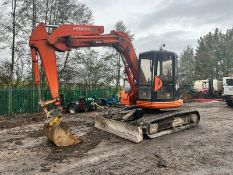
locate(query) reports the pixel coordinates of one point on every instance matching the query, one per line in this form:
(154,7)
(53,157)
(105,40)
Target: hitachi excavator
(152,103)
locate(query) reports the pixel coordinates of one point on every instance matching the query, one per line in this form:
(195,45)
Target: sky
(175,23)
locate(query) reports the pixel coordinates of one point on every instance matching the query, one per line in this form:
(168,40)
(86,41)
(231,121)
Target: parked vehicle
(208,89)
(82,105)
(228,90)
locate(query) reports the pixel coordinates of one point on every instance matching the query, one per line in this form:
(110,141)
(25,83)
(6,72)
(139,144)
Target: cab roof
(158,52)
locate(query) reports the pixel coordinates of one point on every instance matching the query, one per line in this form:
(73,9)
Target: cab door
(164,77)
(145,76)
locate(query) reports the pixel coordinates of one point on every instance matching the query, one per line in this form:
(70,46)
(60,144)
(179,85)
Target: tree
(186,66)
(13,39)
(214,55)
(89,68)
(121,27)
(27,14)
(5,73)
(227,64)
(114,57)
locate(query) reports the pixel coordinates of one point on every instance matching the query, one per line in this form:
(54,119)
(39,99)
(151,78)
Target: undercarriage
(135,124)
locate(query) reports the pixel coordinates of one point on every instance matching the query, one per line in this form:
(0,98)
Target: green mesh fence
(25,100)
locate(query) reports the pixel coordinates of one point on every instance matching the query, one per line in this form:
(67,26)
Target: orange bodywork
(125,99)
(40,47)
(160,105)
(66,37)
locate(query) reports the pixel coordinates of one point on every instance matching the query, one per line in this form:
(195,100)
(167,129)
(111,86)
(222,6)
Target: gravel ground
(206,149)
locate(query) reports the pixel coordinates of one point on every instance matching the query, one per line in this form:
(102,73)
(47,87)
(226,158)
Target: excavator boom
(66,37)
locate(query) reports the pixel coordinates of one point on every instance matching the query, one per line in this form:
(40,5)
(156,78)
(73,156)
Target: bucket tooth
(121,129)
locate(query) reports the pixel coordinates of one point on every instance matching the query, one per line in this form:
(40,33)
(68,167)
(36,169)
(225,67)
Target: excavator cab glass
(157,76)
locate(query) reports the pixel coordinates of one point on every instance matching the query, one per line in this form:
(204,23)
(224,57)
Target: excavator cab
(157,78)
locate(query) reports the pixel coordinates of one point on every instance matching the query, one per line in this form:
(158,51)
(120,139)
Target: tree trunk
(65,63)
(33,14)
(13,42)
(118,72)
(46,13)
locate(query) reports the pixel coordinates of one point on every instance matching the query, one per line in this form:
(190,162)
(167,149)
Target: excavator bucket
(59,133)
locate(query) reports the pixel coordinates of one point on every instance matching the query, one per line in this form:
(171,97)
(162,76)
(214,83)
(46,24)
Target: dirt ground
(206,149)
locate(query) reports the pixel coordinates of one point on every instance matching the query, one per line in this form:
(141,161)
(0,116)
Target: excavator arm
(67,37)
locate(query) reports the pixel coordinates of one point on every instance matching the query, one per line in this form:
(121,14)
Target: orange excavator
(152,103)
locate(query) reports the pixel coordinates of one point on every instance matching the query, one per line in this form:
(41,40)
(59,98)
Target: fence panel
(4,101)
(25,100)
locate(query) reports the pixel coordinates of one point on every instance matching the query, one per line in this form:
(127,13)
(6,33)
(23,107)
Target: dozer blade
(121,129)
(58,133)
